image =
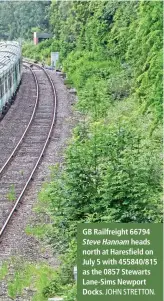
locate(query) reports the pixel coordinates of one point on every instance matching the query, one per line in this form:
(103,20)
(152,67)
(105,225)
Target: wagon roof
(9,54)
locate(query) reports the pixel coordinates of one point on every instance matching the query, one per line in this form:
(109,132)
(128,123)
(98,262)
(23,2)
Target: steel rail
(40,156)
(31,119)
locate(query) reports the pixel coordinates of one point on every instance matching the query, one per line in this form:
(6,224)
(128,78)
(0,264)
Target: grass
(26,279)
(37,230)
(3,270)
(11,196)
(31,278)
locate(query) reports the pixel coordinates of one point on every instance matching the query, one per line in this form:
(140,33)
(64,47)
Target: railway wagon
(10,73)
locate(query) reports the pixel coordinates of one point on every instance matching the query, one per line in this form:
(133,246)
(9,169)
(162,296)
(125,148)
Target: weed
(3,270)
(11,196)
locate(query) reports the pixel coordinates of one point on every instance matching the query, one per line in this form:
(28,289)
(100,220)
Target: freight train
(10,73)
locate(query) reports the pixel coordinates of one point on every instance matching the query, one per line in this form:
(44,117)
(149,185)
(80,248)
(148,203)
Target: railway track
(20,114)
(19,168)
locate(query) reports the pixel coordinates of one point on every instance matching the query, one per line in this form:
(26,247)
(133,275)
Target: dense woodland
(112,54)
(21,19)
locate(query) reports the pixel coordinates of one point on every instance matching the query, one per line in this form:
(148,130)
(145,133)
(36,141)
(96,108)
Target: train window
(12,72)
(16,75)
(1,87)
(19,66)
(10,80)
(6,84)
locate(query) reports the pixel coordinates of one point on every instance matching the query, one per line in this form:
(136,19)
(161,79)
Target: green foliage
(40,52)
(39,230)
(63,282)
(71,294)
(147,59)
(11,196)
(110,170)
(3,270)
(24,18)
(112,54)
(30,277)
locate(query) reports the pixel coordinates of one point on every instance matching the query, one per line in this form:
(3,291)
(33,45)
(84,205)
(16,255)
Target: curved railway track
(20,114)
(18,170)
(28,126)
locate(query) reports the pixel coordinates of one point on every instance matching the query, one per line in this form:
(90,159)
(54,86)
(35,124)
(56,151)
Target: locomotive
(10,73)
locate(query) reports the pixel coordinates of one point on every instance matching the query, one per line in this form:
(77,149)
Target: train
(10,73)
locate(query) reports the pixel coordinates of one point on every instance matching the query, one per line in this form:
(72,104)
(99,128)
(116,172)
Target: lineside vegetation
(112,54)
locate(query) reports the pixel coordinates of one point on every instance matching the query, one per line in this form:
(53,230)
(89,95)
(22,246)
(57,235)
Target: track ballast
(18,170)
